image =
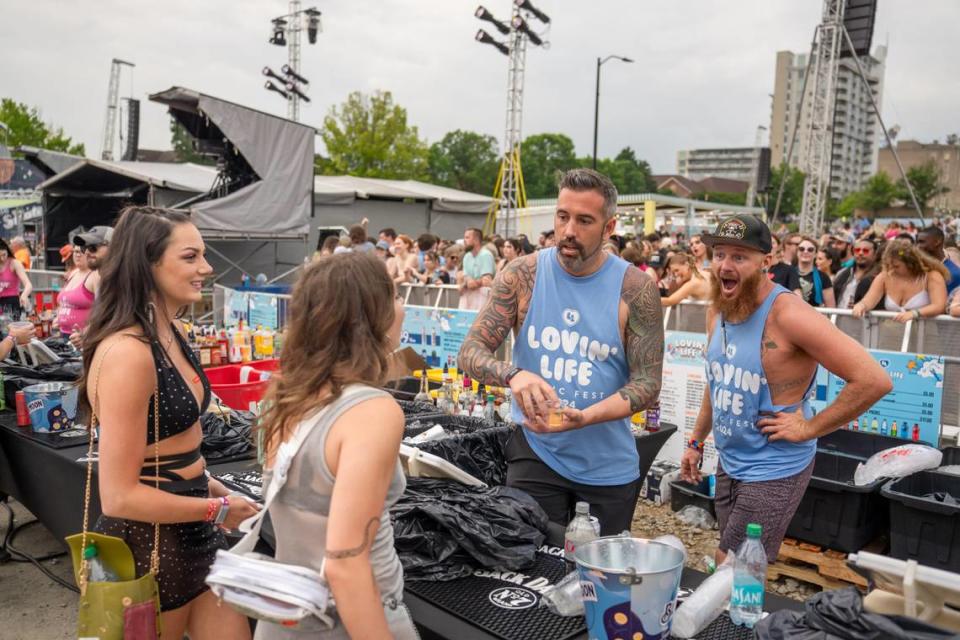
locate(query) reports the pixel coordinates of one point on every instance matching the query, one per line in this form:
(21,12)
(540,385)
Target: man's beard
(575,263)
(740,307)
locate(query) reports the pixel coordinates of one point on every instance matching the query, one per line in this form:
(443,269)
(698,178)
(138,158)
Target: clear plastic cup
(20,325)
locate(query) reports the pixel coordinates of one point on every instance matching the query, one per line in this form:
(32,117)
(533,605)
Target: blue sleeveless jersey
(739,395)
(571,338)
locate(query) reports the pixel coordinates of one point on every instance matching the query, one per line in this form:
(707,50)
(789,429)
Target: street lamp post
(596,104)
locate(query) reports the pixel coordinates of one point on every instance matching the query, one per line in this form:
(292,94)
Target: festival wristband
(696,445)
(211,510)
(510,375)
(224,510)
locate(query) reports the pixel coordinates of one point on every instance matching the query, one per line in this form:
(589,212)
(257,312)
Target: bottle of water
(583,528)
(749,579)
(99,571)
(490,408)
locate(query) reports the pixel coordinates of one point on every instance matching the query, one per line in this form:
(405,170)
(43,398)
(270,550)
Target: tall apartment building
(856,132)
(733,162)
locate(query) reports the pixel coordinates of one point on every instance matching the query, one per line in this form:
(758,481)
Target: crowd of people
(918,268)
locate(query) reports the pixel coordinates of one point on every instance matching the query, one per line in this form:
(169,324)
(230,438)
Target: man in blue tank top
(764,345)
(588,351)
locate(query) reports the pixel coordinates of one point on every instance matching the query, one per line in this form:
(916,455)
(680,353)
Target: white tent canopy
(345,189)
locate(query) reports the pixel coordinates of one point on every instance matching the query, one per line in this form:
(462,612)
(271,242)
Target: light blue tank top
(571,338)
(739,395)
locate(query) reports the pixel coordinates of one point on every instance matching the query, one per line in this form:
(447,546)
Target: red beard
(736,309)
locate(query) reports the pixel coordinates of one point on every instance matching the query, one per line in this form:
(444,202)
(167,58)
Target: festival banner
(263,311)
(436,334)
(912,410)
(681,394)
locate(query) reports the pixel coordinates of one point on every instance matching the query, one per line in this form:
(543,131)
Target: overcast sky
(702,77)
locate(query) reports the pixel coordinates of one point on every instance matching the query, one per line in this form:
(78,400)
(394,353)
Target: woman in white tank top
(345,318)
(911,283)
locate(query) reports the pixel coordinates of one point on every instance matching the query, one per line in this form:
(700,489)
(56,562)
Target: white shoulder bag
(289,595)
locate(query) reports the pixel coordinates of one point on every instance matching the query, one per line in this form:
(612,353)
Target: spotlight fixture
(521,25)
(290,73)
(485,15)
(279,38)
(293,88)
(270,73)
(313,24)
(486,38)
(269,86)
(526,5)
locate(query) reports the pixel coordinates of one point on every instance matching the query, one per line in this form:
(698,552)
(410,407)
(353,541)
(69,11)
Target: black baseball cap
(741,231)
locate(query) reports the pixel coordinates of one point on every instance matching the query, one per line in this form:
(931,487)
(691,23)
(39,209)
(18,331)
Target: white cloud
(702,74)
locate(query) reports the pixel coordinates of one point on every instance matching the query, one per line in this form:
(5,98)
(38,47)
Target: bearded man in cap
(762,356)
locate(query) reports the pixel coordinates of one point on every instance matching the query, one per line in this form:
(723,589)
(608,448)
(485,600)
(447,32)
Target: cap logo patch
(733,229)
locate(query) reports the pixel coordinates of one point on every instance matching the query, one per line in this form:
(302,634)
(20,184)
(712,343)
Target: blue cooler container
(52,406)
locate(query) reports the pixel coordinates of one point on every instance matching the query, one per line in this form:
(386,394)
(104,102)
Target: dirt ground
(33,607)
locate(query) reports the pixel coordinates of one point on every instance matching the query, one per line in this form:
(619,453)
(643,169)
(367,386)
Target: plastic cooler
(834,512)
(951,456)
(240,384)
(860,444)
(683,494)
(921,527)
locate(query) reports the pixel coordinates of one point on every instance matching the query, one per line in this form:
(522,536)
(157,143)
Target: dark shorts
(612,505)
(771,504)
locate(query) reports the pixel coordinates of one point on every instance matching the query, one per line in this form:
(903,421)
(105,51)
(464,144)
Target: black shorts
(612,505)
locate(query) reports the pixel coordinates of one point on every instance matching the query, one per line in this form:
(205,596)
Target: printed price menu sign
(681,393)
(436,334)
(912,410)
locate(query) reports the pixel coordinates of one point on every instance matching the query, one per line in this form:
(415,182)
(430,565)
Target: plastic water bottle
(749,579)
(99,571)
(583,528)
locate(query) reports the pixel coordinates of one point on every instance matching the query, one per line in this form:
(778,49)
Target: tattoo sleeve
(644,340)
(369,533)
(512,288)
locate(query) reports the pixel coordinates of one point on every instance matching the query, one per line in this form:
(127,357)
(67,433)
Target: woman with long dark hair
(148,391)
(333,511)
(512,249)
(15,286)
(693,284)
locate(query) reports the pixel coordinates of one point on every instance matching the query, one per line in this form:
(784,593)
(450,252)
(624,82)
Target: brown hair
(127,290)
(340,314)
(687,259)
(407,240)
(917,262)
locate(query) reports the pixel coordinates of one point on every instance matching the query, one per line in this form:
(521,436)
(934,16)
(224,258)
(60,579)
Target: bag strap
(286,453)
(84,572)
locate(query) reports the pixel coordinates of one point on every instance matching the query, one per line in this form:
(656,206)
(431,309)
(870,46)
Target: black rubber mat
(56,440)
(723,629)
(506,605)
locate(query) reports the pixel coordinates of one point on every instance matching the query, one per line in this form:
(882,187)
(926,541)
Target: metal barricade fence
(438,296)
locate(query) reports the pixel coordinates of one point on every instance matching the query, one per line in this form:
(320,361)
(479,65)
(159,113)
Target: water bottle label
(747,594)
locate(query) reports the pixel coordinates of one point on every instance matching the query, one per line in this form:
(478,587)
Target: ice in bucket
(52,406)
(629,587)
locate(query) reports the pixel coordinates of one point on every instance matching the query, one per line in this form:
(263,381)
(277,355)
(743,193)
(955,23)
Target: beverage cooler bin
(951,456)
(834,512)
(859,444)
(240,384)
(683,494)
(923,528)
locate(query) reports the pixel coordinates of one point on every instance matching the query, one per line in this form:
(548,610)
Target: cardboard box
(655,486)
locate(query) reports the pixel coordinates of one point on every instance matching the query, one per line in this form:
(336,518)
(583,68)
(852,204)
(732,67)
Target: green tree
(27,128)
(182,143)
(722,197)
(629,174)
(544,157)
(465,160)
(792,200)
(925,180)
(370,136)
(877,194)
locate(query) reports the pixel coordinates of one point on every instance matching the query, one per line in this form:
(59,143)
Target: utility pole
(293,57)
(113,105)
(596,104)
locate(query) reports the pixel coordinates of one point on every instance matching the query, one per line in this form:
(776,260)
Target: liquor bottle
(424,394)
(466,398)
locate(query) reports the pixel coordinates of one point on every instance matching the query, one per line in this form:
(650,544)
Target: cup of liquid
(20,328)
(555,415)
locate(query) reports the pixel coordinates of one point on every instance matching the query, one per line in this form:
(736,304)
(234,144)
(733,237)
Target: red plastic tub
(225,382)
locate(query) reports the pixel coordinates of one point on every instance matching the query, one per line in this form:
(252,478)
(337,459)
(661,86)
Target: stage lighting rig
(521,25)
(290,73)
(313,24)
(294,89)
(526,5)
(482,14)
(269,86)
(279,39)
(270,73)
(486,38)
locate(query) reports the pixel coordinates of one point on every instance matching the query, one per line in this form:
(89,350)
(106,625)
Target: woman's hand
(24,299)
(904,316)
(859,310)
(216,488)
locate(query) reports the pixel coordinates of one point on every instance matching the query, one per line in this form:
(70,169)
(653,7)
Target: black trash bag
(839,615)
(223,441)
(444,530)
(481,453)
(61,346)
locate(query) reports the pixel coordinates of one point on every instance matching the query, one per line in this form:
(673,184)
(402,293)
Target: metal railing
(438,296)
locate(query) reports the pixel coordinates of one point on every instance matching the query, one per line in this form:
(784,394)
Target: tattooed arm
(643,340)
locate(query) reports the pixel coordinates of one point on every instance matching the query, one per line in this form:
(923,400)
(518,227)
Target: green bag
(124,610)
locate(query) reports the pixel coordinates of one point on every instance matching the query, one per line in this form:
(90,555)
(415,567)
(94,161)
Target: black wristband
(510,375)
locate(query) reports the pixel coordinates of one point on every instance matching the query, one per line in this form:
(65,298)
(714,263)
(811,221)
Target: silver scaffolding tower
(294,27)
(817,149)
(512,193)
(113,107)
